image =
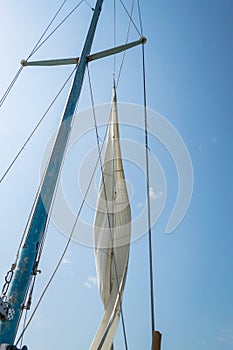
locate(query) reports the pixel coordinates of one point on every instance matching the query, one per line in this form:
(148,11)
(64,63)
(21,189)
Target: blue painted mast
(24,271)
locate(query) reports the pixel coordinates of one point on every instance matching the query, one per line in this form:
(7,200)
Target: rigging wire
(6,93)
(55,29)
(130,17)
(38,45)
(7,282)
(89,5)
(114,38)
(126,41)
(32,52)
(140,18)
(43,238)
(147,182)
(36,127)
(42,241)
(66,246)
(62,254)
(27,304)
(107,208)
(24,323)
(79,211)
(10,273)
(38,256)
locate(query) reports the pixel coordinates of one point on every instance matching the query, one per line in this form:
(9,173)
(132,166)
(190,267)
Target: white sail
(112,230)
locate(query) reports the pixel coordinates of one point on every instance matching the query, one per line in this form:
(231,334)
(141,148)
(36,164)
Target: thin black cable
(40,245)
(62,255)
(42,241)
(126,40)
(6,93)
(114,37)
(55,29)
(25,233)
(140,17)
(148,196)
(24,323)
(45,31)
(27,305)
(107,209)
(89,5)
(149,219)
(29,217)
(130,16)
(32,52)
(64,250)
(36,127)
(38,45)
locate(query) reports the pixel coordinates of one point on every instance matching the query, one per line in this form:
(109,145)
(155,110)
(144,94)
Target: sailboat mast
(26,265)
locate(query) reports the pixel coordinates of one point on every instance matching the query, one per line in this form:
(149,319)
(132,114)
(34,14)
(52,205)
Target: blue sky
(189,66)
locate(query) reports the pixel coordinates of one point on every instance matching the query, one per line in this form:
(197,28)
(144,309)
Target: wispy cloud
(66,261)
(92,279)
(91,282)
(139,204)
(226,336)
(87,284)
(41,322)
(214,139)
(155,195)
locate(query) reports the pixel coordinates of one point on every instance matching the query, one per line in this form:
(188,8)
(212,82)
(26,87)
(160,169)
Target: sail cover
(112,230)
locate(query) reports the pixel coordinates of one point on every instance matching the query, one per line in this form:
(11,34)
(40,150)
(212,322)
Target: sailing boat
(114,221)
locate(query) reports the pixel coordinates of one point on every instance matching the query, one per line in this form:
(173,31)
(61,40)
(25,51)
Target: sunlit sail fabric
(112,230)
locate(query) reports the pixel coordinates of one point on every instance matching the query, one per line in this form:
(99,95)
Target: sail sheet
(112,231)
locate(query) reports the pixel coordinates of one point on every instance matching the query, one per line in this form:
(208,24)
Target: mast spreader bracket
(92,57)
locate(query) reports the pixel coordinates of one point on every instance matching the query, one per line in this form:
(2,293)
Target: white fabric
(112,230)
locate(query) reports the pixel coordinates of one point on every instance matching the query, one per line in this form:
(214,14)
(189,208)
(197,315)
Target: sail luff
(112,229)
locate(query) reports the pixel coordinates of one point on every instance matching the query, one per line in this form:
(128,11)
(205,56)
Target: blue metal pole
(21,280)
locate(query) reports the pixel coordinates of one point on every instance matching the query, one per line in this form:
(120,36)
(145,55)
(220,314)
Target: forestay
(112,231)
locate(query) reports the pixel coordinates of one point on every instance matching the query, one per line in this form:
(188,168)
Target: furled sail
(112,230)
